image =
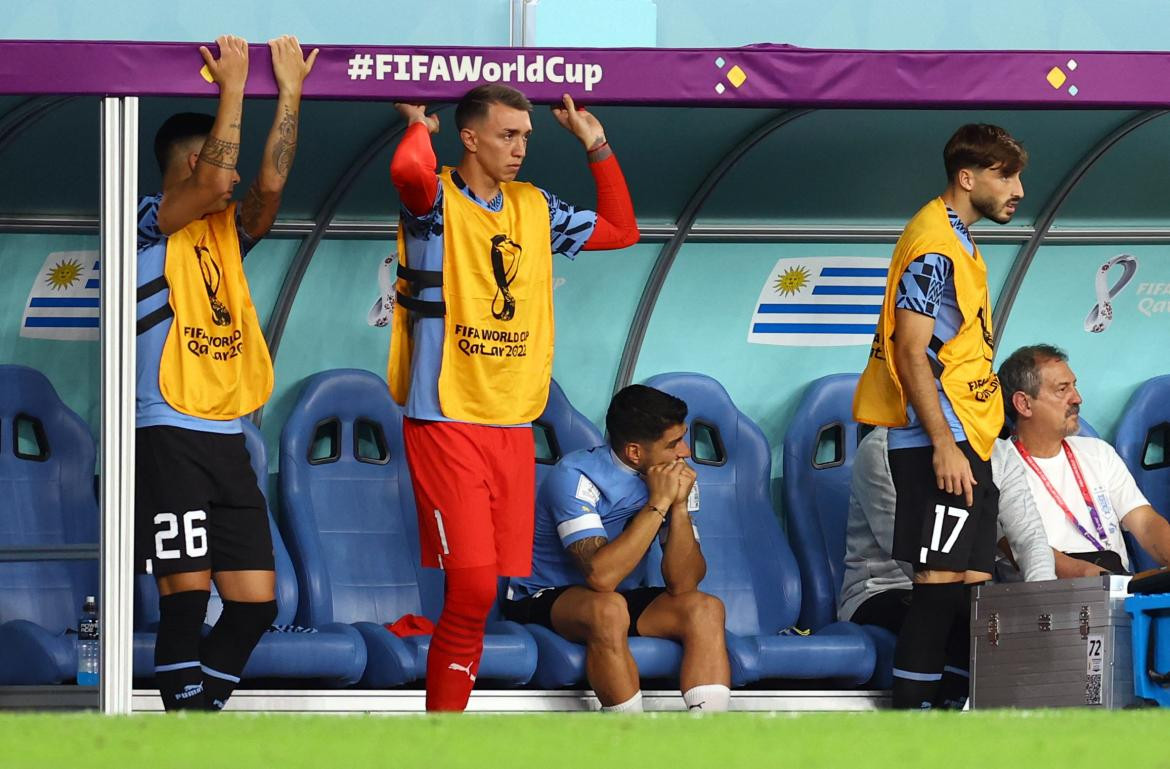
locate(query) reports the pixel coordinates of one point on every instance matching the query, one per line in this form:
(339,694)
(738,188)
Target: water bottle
(87,644)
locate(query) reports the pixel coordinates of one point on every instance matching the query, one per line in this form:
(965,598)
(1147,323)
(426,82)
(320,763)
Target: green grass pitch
(987,740)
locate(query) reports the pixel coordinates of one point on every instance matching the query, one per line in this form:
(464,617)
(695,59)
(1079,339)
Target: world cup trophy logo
(211,280)
(505,265)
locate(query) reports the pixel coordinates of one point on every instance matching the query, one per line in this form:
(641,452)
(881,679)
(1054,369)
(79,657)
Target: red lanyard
(1080,478)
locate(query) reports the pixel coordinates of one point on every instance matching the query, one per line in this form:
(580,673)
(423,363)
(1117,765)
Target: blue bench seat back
(47,483)
(352,529)
(750,565)
(1143,441)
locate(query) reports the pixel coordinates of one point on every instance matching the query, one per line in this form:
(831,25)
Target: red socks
(456,646)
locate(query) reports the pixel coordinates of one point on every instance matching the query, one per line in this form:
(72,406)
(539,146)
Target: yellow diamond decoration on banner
(206,74)
(1056,77)
(736,76)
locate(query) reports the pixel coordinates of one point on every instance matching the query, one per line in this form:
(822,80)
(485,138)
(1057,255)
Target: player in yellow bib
(202,365)
(930,379)
(472,345)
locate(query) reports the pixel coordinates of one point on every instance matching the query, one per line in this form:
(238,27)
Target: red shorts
(475,492)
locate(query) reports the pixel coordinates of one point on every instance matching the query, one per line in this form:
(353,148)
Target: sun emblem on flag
(64,274)
(792,281)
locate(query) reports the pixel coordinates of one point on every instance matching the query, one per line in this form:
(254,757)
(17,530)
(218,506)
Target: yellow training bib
(498,318)
(215,363)
(967,375)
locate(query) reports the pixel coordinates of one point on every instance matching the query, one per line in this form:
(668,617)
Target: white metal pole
(522,28)
(528,24)
(119,183)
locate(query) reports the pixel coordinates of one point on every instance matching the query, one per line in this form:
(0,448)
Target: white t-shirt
(1111,486)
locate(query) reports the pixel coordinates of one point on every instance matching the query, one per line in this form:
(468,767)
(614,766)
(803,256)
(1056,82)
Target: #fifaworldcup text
(461,68)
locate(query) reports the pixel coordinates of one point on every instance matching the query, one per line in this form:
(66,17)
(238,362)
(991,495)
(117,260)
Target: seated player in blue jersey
(597,515)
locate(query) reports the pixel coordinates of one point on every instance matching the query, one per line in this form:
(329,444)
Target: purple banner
(755,76)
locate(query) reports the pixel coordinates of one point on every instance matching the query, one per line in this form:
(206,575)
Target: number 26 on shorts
(193,542)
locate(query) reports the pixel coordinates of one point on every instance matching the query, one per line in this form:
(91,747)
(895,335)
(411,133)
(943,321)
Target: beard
(989,208)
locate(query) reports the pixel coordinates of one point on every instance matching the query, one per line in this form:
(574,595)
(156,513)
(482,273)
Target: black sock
(226,648)
(956,680)
(176,649)
(920,653)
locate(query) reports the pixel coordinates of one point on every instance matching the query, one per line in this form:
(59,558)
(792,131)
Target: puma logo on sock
(189,691)
(463,669)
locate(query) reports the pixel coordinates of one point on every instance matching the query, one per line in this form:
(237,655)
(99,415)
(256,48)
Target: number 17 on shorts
(948,522)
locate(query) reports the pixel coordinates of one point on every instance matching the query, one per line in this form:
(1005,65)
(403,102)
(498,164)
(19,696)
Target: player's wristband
(655,509)
(598,148)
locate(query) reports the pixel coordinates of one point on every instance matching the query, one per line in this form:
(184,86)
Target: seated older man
(876,589)
(1083,491)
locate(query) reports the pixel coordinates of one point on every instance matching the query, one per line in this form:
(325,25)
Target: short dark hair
(179,128)
(1021,372)
(641,414)
(475,103)
(980,145)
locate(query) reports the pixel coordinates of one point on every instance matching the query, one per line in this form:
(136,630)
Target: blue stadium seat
(350,522)
(1143,441)
(334,655)
(561,663)
(750,565)
(818,461)
(559,430)
(47,482)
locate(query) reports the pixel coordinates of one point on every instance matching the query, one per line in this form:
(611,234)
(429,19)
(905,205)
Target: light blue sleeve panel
(922,284)
(571,498)
(569,227)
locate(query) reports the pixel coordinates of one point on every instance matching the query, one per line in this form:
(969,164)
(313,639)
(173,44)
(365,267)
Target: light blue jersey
(423,236)
(154,323)
(590,493)
(928,288)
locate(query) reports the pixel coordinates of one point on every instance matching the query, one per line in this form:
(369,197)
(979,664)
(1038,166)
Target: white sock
(632,705)
(708,697)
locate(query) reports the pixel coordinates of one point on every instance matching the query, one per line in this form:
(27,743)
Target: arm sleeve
(616,225)
(922,284)
(148,231)
(1019,519)
(1124,493)
(572,500)
(871,486)
(569,227)
(413,171)
(872,498)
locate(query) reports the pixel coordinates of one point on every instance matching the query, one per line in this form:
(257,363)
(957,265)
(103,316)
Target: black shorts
(197,505)
(887,609)
(934,529)
(537,609)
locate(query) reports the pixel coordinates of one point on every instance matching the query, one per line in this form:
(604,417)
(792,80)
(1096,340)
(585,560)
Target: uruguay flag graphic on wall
(64,298)
(825,301)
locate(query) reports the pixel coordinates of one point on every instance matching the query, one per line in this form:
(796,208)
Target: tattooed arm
(605,563)
(582,552)
(214,172)
(258,211)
